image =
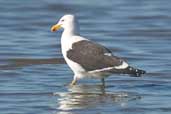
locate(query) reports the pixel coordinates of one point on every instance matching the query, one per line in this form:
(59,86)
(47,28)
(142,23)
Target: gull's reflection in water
(90,96)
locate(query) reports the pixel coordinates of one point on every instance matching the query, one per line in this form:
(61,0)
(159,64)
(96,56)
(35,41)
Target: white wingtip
(122,66)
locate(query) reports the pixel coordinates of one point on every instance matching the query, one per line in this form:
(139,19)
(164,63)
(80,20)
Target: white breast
(66,44)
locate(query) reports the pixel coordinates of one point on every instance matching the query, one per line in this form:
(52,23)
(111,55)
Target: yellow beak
(55,27)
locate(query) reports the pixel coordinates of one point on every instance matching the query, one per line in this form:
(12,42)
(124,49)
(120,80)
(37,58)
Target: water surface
(33,74)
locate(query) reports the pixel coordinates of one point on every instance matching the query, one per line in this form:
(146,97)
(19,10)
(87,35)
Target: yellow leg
(74,81)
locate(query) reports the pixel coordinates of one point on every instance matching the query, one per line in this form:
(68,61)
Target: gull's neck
(71,30)
(67,37)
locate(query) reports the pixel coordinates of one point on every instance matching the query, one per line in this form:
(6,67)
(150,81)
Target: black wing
(92,56)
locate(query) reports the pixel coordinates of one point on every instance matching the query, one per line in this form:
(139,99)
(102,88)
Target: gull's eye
(62,20)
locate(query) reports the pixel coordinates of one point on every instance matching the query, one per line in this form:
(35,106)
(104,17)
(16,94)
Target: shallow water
(33,74)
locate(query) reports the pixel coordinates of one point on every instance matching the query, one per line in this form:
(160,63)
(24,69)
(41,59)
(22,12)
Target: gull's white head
(68,22)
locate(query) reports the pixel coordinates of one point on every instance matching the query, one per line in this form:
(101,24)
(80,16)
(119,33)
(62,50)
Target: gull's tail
(133,71)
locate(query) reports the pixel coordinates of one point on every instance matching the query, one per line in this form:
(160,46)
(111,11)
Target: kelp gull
(87,58)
